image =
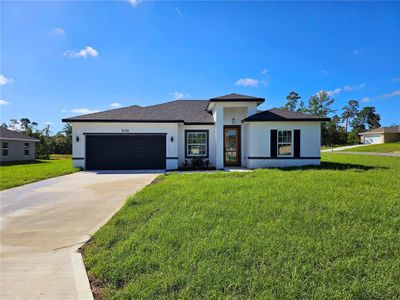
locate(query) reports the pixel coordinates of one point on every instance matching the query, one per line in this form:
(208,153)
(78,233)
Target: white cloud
(265,71)
(333,92)
(350,88)
(58,31)
(358,51)
(178,95)
(80,111)
(179,12)
(247,82)
(48,123)
(396,79)
(115,105)
(4,80)
(134,3)
(346,88)
(85,52)
(324,72)
(392,94)
(365,99)
(4,102)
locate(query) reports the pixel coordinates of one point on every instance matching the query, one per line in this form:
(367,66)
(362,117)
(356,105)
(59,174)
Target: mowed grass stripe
(329,232)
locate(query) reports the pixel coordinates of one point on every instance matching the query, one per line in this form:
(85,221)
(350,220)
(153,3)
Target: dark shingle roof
(382,130)
(187,111)
(278,114)
(6,134)
(237,97)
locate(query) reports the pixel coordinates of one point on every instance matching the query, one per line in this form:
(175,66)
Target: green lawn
(382,148)
(18,173)
(320,232)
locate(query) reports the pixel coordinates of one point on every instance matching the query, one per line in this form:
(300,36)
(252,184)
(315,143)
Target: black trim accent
(274,143)
(115,133)
(239,148)
(198,123)
(296,143)
(208,142)
(171,158)
(262,100)
(78,158)
(280,157)
(121,121)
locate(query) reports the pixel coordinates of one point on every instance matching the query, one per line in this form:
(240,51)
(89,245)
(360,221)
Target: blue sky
(59,59)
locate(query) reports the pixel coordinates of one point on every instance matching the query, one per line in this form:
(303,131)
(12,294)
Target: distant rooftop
(6,134)
(382,130)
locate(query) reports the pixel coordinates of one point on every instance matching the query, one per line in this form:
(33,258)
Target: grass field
(18,173)
(320,232)
(382,148)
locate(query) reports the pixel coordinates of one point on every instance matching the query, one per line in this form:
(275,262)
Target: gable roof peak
(237,97)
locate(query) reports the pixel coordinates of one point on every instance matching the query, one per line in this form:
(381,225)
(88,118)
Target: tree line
(343,127)
(59,143)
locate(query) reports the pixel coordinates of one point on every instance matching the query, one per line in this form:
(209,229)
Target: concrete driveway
(43,223)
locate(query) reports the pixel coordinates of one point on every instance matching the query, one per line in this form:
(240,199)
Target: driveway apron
(43,222)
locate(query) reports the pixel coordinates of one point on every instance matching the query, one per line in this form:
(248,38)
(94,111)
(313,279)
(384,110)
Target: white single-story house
(16,146)
(380,135)
(224,131)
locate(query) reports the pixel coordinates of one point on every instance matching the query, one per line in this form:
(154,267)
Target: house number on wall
(125,130)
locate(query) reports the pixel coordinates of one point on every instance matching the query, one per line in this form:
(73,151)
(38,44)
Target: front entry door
(232,146)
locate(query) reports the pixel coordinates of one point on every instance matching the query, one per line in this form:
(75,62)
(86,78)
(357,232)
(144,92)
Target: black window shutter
(297,143)
(274,141)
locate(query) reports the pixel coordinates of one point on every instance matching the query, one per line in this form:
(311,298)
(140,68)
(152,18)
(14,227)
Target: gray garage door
(125,152)
(372,139)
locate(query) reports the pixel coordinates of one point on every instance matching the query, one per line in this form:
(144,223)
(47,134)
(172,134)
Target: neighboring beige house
(380,135)
(16,146)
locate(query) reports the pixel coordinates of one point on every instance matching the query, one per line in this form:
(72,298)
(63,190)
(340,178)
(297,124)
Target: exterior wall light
(172,139)
(233,121)
(77,138)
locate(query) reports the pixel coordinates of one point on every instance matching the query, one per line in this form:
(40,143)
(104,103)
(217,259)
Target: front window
(5,149)
(196,143)
(285,143)
(26,149)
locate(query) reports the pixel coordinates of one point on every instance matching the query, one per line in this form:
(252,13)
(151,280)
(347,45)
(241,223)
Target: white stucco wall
(181,144)
(223,112)
(239,113)
(78,130)
(257,136)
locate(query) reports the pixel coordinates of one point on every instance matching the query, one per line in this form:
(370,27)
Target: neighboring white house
(16,146)
(226,131)
(380,135)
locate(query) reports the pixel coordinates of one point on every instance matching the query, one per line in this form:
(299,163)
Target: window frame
(280,143)
(8,149)
(26,148)
(187,132)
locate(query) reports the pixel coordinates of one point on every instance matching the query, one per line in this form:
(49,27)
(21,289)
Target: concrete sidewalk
(343,148)
(43,223)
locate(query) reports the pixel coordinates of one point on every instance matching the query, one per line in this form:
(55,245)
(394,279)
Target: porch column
(219,136)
